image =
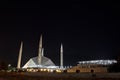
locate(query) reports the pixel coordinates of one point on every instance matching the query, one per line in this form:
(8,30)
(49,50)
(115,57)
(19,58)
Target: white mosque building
(40,61)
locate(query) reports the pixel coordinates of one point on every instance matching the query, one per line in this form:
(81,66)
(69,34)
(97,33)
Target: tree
(3,65)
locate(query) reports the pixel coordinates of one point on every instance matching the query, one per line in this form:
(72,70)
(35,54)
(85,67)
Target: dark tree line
(115,67)
(3,65)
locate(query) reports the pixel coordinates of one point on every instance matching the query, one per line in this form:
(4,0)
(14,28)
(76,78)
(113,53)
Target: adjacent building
(92,66)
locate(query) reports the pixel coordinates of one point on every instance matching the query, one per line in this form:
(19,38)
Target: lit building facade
(33,63)
(92,66)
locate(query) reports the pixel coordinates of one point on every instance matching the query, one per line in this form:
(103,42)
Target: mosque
(42,62)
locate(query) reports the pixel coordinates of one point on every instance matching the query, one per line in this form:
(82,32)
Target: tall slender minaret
(61,56)
(40,51)
(20,56)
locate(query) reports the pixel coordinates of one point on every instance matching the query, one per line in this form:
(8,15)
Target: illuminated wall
(85,69)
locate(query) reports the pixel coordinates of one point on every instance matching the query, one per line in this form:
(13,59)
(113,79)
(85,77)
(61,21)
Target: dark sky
(87,29)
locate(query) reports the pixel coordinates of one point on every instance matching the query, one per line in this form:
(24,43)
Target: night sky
(88,30)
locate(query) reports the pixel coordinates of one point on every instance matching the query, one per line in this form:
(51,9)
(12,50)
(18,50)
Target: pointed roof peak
(41,36)
(21,42)
(61,43)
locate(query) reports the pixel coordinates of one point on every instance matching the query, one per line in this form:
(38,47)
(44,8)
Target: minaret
(20,56)
(61,56)
(40,51)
